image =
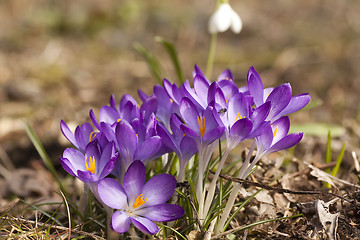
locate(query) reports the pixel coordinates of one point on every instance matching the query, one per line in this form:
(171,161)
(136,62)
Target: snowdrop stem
(211,56)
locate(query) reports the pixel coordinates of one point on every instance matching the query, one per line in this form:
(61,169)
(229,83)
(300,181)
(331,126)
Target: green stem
(211,56)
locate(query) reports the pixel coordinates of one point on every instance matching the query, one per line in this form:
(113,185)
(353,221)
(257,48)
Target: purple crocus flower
(275,137)
(127,109)
(282,102)
(165,103)
(81,137)
(204,126)
(91,166)
(139,202)
(184,147)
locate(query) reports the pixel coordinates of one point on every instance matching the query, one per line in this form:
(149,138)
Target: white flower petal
(220,21)
(236,23)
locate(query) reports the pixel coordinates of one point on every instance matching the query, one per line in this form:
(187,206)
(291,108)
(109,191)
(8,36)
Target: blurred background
(59,59)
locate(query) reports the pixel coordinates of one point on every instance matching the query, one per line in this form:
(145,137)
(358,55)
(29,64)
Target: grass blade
(170,48)
(338,161)
(153,63)
(41,150)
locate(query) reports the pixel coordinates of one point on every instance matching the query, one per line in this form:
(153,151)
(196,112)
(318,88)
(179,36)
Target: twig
(283,190)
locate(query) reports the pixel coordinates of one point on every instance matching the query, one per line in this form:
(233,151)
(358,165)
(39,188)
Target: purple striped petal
(162,212)
(145,225)
(226,75)
(237,108)
(120,221)
(108,114)
(76,158)
(287,142)
(296,103)
(134,181)
(126,139)
(93,119)
(66,164)
(159,189)
(281,126)
(279,98)
(255,86)
(68,133)
(87,176)
(189,113)
(112,193)
(148,148)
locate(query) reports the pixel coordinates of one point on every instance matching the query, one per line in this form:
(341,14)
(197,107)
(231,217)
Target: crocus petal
(108,114)
(228,87)
(279,98)
(237,108)
(296,103)
(148,148)
(112,101)
(126,139)
(134,181)
(259,114)
(145,225)
(93,119)
(68,133)
(107,153)
(166,137)
(112,193)
(66,164)
(226,75)
(149,107)
(189,132)
(191,94)
(240,130)
(87,176)
(76,158)
(162,212)
(265,140)
(110,165)
(212,135)
(189,113)
(120,221)
(255,86)
(159,189)
(281,126)
(285,143)
(143,96)
(188,148)
(201,87)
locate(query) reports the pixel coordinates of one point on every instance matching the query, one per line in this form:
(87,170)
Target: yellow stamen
(202,125)
(137,138)
(92,136)
(139,201)
(275,132)
(227,98)
(119,120)
(91,165)
(238,117)
(171,100)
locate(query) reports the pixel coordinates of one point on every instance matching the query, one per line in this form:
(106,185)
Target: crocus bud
(223,19)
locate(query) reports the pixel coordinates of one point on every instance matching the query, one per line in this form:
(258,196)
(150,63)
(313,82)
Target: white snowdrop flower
(223,19)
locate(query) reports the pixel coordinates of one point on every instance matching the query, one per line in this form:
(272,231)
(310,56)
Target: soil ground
(59,59)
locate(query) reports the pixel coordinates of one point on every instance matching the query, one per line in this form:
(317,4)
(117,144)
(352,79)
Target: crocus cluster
(186,120)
